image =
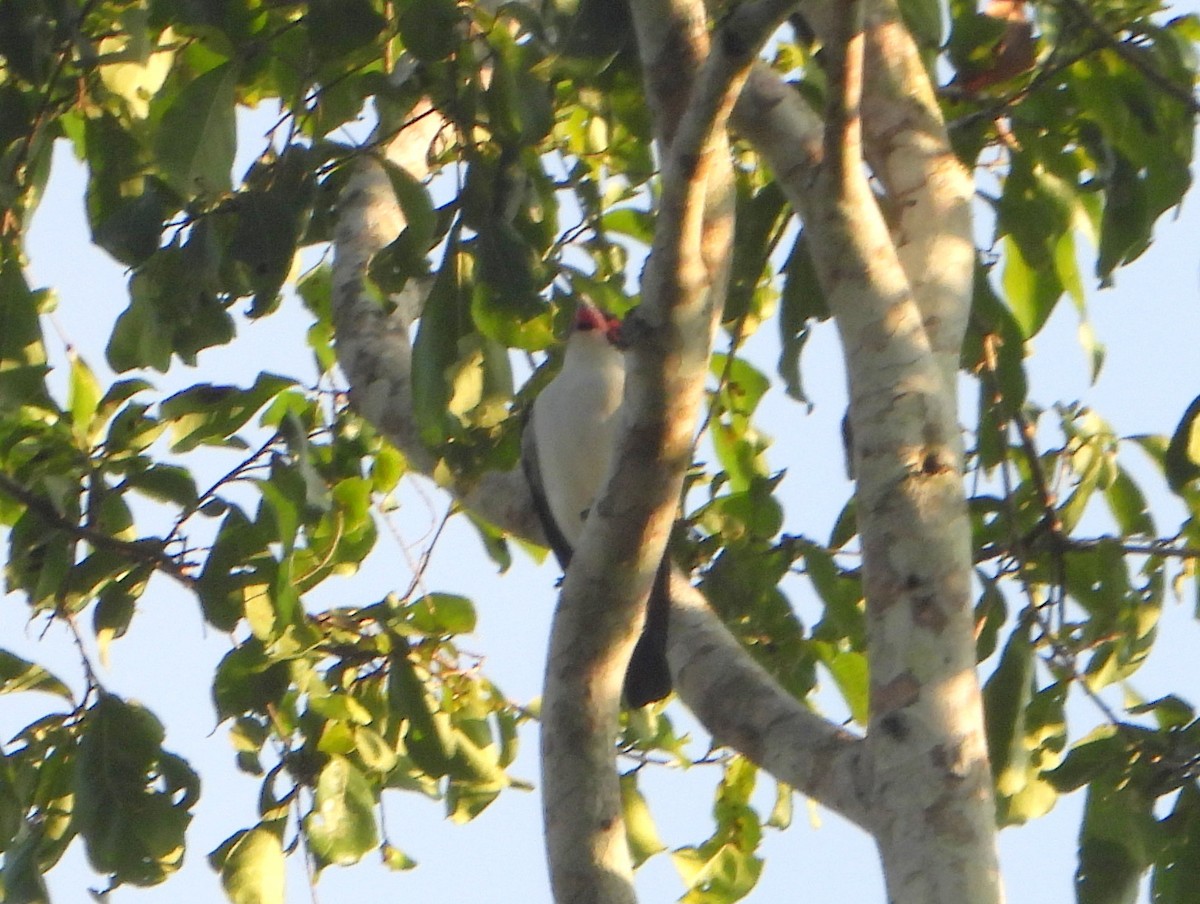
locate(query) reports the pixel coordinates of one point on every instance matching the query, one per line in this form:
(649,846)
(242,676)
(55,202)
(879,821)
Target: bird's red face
(589,317)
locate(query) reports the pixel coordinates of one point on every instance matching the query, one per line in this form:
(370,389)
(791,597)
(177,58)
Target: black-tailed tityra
(567,450)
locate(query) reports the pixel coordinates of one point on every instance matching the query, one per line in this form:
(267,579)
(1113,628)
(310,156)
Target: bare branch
(929,192)
(745,708)
(683,288)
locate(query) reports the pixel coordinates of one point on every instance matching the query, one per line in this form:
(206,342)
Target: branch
(683,288)
(1131,56)
(931,795)
(745,708)
(928,191)
(142,552)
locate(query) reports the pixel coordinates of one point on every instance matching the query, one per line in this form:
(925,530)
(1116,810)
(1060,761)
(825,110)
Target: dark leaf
(17,674)
(133,799)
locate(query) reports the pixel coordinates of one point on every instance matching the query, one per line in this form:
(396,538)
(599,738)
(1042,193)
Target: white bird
(567,452)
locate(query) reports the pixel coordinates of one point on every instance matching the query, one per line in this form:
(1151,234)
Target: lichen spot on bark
(949,822)
(928,614)
(900,692)
(951,760)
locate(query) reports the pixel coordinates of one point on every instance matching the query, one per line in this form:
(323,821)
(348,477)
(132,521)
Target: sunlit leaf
(206,413)
(643,838)
(253,868)
(17,674)
(341,828)
(443,613)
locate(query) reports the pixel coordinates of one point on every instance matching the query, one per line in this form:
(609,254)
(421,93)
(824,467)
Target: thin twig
(148,551)
(1130,55)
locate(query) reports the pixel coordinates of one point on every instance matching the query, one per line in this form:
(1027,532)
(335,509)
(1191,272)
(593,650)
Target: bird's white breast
(574,422)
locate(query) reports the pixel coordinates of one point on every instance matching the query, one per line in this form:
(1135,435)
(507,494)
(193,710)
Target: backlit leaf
(17,675)
(340,828)
(253,869)
(197,137)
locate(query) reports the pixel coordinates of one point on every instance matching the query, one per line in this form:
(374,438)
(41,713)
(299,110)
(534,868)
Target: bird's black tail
(648,677)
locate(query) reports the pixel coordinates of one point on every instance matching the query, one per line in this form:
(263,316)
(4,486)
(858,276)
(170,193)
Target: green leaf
(221,582)
(174,308)
(640,831)
(396,859)
(21,874)
(1177,867)
(1128,506)
(801,300)
(754,514)
(517,100)
(166,483)
(435,350)
(126,204)
(1100,752)
(510,278)
(28,41)
(924,19)
(1182,459)
(115,607)
(460,377)
(781,813)
(205,414)
(430,28)
(132,799)
(253,868)
(1032,292)
(376,754)
(841,593)
(1005,697)
(725,877)
(406,256)
(197,138)
(20,326)
(443,613)
(1126,227)
(247,680)
(849,671)
(270,217)
(340,828)
(18,675)
(758,223)
(83,396)
(1170,712)
(429,740)
(1114,844)
(337,27)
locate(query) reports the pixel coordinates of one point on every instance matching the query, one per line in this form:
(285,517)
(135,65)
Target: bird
(567,449)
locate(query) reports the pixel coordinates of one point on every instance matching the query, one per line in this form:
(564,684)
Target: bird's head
(589,319)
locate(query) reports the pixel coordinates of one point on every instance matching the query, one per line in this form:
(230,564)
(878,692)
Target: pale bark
(683,289)
(932,800)
(744,708)
(899,288)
